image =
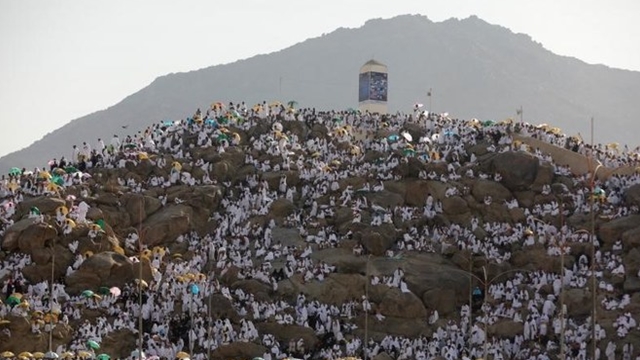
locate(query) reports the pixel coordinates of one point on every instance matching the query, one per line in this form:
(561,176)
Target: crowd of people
(176,315)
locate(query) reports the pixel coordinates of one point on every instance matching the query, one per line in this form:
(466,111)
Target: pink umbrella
(115,291)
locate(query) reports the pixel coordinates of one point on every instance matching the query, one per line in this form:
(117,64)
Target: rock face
(632,195)
(105,269)
(613,231)
(518,169)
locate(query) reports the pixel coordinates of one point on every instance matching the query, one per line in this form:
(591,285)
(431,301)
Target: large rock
(632,195)
(27,236)
(46,205)
(578,302)
(378,239)
(167,224)
(497,191)
(518,169)
(105,269)
(612,231)
(238,350)
(395,303)
(139,207)
(506,329)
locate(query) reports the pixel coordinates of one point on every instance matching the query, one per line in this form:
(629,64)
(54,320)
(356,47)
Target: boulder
(46,205)
(612,231)
(167,224)
(106,269)
(385,199)
(506,329)
(497,191)
(139,207)
(281,208)
(27,236)
(518,169)
(395,303)
(378,239)
(578,302)
(238,350)
(632,195)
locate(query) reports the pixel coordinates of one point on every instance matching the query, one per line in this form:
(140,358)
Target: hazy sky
(62,59)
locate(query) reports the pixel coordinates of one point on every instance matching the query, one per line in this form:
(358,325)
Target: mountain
(474,68)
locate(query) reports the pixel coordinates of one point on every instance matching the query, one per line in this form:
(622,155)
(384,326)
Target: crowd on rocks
(175,307)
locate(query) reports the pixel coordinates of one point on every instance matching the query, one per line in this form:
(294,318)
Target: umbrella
(103,357)
(103,290)
(68,355)
(195,290)
(93,345)
(5,322)
(38,355)
(100,223)
(130,146)
(292,103)
(58,180)
(13,300)
(407,136)
(15,171)
(25,354)
(70,169)
(84,354)
(115,291)
(88,293)
(51,355)
(7,354)
(393,137)
(182,355)
(143,283)
(488,123)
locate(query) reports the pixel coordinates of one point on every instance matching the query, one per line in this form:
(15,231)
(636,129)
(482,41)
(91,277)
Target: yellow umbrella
(146,253)
(159,251)
(354,150)
(84,354)
(176,165)
(177,255)
(142,283)
(44,175)
(7,354)
(236,137)
(62,209)
(25,354)
(25,304)
(143,156)
(88,254)
(182,355)
(38,355)
(16,295)
(68,355)
(5,322)
(201,277)
(70,223)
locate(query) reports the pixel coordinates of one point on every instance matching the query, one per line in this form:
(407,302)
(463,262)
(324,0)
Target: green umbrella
(57,180)
(13,301)
(88,293)
(130,146)
(101,223)
(15,171)
(93,345)
(104,290)
(408,152)
(70,169)
(35,210)
(488,123)
(103,357)
(292,103)
(222,137)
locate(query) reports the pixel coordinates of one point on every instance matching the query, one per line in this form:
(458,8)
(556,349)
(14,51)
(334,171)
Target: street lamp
(366,312)
(53,267)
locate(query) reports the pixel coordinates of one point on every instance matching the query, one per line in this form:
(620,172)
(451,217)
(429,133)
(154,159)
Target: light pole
(53,267)
(593,246)
(366,312)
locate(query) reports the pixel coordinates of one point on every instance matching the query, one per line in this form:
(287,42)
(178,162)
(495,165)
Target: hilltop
(474,69)
(299,232)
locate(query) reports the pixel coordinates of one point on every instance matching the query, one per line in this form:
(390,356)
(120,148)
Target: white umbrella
(407,136)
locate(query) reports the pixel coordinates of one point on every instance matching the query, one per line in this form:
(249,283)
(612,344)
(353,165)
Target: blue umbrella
(195,290)
(393,137)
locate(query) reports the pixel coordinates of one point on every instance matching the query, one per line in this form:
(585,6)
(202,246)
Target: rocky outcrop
(106,269)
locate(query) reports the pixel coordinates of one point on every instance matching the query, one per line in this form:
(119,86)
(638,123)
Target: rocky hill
(310,233)
(474,69)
